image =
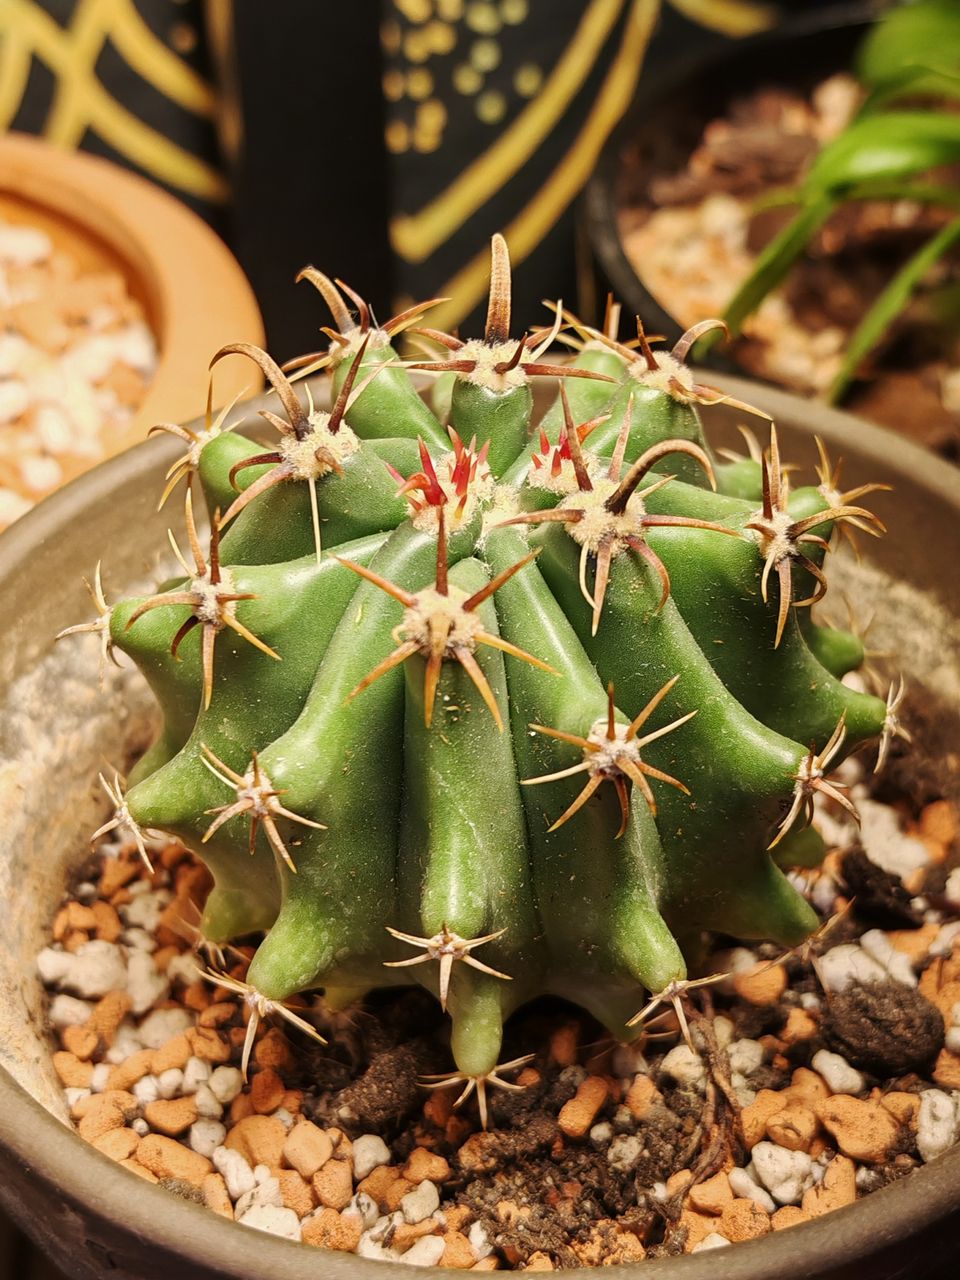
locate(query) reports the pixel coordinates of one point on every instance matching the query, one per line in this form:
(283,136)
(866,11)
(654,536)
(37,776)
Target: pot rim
(97,1188)
(599,204)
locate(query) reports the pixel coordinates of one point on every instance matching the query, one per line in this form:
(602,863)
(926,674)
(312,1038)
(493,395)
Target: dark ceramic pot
(97,1220)
(666,119)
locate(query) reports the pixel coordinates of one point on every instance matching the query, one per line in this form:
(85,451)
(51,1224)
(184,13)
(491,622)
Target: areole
(91,1216)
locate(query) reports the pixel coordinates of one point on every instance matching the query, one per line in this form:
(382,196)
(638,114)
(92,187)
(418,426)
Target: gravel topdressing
(815,1077)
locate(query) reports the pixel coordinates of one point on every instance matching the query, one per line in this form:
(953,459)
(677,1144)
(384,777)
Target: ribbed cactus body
(444,800)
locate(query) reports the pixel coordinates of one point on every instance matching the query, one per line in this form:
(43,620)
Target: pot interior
(59,728)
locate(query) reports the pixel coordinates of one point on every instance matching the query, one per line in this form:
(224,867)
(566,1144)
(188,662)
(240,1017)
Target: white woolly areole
(607,759)
(479,492)
(377,340)
(209,609)
(262,802)
(598,525)
(668,369)
(565,481)
(504,505)
(315,455)
(775,540)
(439,623)
(487,358)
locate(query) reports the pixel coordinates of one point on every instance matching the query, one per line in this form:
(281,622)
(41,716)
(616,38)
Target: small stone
(795,1128)
(789,1216)
(863,1130)
(422,1165)
(745,1056)
(838,1073)
(295,1192)
(762,984)
(126,1074)
(215,1195)
(171,1117)
(266,1091)
(162,1025)
(785,1174)
(479,1241)
(276,1221)
(333,1184)
(539,1261)
(170,1083)
(96,968)
(145,985)
(848,966)
(226,1083)
(425,1253)
(457,1252)
(641,1096)
(712,1195)
(172,1055)
(876,944)
(73,1073)
(743,1220)
(946,1070)
(167,1158)
(369,1152)
(747,1188)
(136,1167)
(265,1192)
(577,1115)
(206,1136)
(68,1011)
(327,1229)
(195,1073)
(837,1188)
(421,1203)
(754,1117)
(103,1112)
(118,1144)
(307,1148)
(624,1152)
(884,1028)
(259,1139)
(684,1066)
(236,1172)
(904,1107)
(886,844)
(937,1124)
(208,1045)
(208,1105)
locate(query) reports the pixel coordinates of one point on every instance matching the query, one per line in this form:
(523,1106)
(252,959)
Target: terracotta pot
(97,1220)
(193,291)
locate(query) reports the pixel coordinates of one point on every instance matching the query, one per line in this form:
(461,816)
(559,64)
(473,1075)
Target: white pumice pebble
(951,890)
(684,1066)
(275,1220)
(741,1184)
(420,1203)
(745,1056)
(68,1011)
(365,1207)
(140,1127)
(785,1174)
(162,1025)
(261,1174)
(837,1073)
(624,1152)
(369,1151)
(724,1030)
(146,909)
(101,1074)
(225,1083)
(713,1241)
(952,1040)
(22,246)
(879,947)
(195,1073)
(208,1104)
(937,1123)
(235,1171)
(601,1133)
(145,985)
(91,971)
(479,1241)
(138,940)
(169,1083)
(285,1118)
(849,965)
(886,844)
(146,1089)
(126,1042)
(425,1252)
(205,1136)
(73,1096)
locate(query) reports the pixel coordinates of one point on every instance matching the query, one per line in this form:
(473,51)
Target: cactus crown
(396,683)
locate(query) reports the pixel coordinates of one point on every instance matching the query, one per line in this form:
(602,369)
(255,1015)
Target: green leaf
(890,303)
(884,147)
(923,35)
(776,260)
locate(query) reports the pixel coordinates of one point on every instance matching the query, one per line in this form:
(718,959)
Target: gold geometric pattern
(441,27)
(81,102)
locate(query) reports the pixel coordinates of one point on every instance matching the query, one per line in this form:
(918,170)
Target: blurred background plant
(902,144)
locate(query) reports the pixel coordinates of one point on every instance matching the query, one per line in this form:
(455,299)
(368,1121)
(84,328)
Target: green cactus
(395,685)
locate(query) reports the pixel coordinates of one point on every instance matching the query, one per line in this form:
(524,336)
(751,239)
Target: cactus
(500,708)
